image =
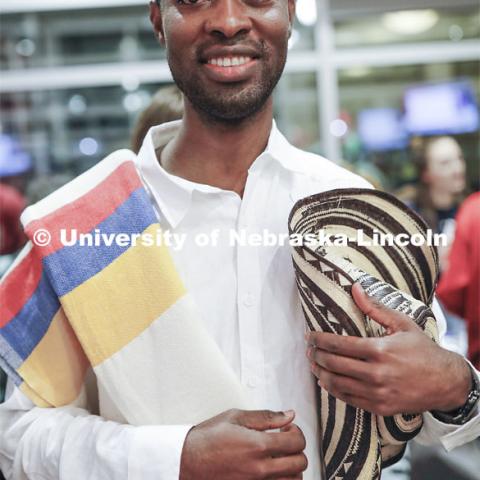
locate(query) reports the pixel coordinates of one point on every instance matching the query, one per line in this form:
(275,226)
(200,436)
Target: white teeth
(229,61)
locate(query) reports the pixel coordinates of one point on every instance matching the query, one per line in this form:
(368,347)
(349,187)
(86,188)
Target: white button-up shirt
(247,298)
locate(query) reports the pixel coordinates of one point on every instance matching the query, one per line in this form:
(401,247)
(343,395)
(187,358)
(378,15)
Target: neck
(441,199)
(215,153)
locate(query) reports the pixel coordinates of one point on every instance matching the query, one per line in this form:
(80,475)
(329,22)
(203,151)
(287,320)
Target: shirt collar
(174,194)
(280,150)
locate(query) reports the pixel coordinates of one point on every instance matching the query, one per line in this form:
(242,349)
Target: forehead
(444,147)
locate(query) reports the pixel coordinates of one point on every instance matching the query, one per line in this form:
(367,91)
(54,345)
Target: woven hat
(340,237)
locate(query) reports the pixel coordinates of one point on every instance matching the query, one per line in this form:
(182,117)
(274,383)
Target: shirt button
(248,299)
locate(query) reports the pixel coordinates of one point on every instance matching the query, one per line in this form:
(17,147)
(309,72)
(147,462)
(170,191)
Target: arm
(69,443)
(403,372)
(449,435)
(435,431)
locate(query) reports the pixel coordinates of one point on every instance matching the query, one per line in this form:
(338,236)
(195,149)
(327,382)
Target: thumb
(388,318)
(264,419)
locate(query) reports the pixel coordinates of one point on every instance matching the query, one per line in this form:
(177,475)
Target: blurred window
(97,68)
(408,26)
(375,89)
(296,110)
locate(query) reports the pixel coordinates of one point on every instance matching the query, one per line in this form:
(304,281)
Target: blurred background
(360,83)
(389,89)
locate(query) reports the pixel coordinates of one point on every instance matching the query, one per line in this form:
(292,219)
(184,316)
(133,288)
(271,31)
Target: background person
(459,287)
(441,184)
(166,106)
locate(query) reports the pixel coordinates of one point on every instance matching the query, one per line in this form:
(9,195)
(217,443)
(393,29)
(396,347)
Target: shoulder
(318,169)
(467,215)
(118,166)
(471,203)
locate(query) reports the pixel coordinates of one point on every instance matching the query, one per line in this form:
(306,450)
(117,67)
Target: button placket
(251,345)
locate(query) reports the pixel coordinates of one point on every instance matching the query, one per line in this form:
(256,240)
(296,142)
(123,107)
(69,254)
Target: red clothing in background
(12,204)
(459,287)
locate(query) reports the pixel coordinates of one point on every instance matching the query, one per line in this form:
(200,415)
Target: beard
(231,102)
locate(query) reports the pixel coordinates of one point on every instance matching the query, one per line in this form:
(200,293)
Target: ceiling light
(88,146)
(130,83)
(410,22)
(357,72)
(25,47)
(306,12)
(338,128)
(77,104)
(455,32)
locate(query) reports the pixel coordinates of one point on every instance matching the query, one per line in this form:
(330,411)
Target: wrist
(457,385)
(463,414)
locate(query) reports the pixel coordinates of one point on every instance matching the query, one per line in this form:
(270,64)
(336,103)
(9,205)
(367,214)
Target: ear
(156,19)
(291,15)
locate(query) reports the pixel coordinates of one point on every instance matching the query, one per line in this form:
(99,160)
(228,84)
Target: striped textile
(119,311)
(356,444)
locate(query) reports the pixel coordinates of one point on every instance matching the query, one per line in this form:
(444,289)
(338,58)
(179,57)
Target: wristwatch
(463,414)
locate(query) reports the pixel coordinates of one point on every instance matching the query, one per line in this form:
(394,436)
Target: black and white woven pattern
(357,444)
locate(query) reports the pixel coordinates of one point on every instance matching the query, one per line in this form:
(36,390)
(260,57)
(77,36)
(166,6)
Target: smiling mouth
(231,61)
(230,67)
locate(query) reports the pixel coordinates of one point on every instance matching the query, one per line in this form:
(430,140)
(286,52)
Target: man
(226,167)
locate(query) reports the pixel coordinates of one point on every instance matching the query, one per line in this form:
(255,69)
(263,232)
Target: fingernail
(289,413)
(309,352)
(362,289)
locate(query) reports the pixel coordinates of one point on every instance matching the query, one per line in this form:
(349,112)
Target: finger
(390,319)
(349,346)
(287,442)
(339,385)
(289,466)
(350,367)
(377,408)
(263,419)
(362,402)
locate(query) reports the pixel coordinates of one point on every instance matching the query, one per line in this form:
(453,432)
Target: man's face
(225,55)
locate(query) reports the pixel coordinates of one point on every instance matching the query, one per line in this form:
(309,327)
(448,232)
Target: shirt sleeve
(436,432)
(69,443)
(450,436)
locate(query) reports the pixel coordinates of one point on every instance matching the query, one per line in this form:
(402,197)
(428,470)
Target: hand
(236,445)
(403,372)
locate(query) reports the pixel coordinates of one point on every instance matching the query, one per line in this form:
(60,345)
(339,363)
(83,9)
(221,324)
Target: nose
(228,19)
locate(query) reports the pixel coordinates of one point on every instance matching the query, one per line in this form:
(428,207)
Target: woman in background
(441,172)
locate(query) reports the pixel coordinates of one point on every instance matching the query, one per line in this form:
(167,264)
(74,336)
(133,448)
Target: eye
(259,3)
(191,2)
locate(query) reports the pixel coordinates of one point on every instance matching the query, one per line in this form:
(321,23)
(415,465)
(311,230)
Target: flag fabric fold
(94,290)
